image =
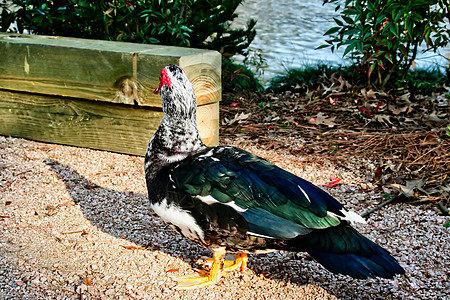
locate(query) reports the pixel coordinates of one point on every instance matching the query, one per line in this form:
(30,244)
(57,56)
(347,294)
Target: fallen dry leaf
(410,187)
(132,247)
(83,232)
(378,173)
(239,118)
(384,119)
(87,280)
(396,110)
(321,119)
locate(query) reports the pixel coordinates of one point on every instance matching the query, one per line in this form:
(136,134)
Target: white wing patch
(173,214)
(259,235)
(207,154)
(350,216)
(304,193)
(210,200)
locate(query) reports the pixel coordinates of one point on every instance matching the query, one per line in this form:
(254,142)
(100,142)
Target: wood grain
(97,94)
(108,71)
(93,124)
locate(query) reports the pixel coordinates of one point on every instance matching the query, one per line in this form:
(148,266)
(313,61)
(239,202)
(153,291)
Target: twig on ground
(443,208)
(379,206)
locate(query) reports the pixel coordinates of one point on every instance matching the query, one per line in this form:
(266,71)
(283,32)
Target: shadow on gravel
(128,215)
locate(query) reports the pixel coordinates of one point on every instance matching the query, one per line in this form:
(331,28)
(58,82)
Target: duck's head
(177,93)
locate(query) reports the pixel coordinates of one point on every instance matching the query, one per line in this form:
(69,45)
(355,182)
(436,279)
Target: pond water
(288,31)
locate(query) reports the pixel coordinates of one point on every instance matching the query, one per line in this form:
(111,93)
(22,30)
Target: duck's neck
(173,141)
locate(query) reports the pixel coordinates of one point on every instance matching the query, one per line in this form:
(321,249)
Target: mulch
(406,136)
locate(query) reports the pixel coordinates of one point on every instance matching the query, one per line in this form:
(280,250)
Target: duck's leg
(240,263)
(203,278)
(231,265)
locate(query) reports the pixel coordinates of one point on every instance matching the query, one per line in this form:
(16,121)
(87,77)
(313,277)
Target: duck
(229,200)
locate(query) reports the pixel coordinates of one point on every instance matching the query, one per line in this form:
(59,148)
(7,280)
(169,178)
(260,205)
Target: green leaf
(322,46)
(378,53)
(339,22)
(368,34)
(403,50)
(347,19)
(380,19)
(394,29)
(372,67)
(349,48)
(387,196)
(350,12)
(360,47)
(398,16)
(351,32)
(185,28)
(388,56)
(332,30)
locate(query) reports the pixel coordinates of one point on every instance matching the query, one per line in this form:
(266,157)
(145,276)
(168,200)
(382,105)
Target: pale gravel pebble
(73,222)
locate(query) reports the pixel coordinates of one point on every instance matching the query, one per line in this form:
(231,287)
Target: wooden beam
(97,94)
(107,71)
(98,125)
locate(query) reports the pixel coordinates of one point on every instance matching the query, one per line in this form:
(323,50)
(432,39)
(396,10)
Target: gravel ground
(76,223)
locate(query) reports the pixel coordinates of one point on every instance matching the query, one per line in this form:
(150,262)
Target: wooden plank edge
(96,125)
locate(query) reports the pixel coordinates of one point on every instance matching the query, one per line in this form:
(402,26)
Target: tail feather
(344,250)
(357,266)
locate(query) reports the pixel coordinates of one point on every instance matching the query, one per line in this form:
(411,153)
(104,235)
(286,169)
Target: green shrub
(189,23)
(383,36)
(311,76)
(239,77)
(418,82)
(424,81)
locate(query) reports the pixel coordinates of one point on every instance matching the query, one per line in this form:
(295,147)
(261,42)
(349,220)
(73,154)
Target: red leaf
(234,104)
(172,270)
(334,181)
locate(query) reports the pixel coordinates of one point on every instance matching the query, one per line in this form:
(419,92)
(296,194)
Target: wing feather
(274,202)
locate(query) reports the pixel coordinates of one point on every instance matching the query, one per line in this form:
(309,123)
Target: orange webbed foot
(203,278)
